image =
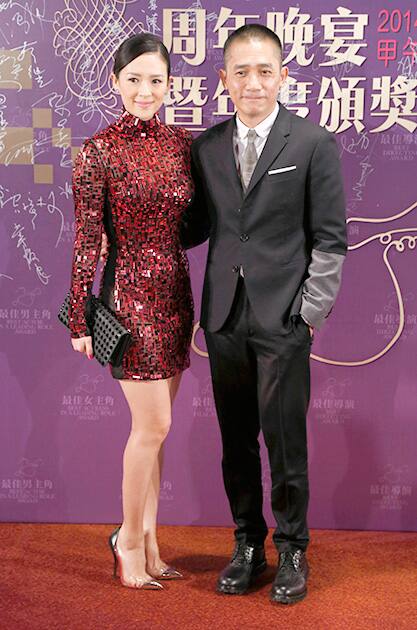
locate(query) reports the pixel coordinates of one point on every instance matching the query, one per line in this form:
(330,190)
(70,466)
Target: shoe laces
(243,553)
(292,559)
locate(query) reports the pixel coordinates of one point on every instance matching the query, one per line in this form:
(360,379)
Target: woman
(133,179)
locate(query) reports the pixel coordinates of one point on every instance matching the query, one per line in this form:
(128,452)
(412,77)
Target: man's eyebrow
(239,66)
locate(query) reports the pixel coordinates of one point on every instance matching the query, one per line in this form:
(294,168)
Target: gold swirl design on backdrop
(400,243)
(400,239)
(87,34)
(194,346)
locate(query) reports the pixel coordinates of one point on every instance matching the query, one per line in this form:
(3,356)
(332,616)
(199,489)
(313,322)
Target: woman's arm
(89,190)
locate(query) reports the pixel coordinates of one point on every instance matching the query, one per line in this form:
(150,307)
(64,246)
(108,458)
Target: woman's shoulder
(95,149)
(183,135)
(102,138)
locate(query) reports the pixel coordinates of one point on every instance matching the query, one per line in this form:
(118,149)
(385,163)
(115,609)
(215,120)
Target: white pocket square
(282,170)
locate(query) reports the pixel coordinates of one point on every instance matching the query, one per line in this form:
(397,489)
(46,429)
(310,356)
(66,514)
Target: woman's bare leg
(154,564)
(150,406)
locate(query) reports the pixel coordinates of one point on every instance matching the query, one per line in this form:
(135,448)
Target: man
(269,197)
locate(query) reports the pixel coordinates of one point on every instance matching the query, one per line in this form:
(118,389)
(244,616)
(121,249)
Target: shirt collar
(262,129)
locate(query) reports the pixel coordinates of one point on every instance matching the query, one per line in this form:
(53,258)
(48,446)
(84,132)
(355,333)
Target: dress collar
(129,124)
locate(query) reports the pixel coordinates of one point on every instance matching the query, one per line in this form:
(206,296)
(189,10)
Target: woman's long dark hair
(139,45)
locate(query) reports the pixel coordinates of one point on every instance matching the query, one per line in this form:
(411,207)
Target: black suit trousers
(261,381)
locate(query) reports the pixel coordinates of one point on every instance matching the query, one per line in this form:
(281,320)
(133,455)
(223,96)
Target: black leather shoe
(247,562)
(290,584)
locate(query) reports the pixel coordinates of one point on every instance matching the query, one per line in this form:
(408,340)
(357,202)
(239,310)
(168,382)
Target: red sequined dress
(133,180)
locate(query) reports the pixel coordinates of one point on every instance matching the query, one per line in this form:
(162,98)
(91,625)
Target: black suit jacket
(271,231)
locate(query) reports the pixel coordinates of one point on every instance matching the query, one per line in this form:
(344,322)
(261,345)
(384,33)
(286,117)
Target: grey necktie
(249,159)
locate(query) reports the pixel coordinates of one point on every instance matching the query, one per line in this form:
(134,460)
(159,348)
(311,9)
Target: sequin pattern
(134,178)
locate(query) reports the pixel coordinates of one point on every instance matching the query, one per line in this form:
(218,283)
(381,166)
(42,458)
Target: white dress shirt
(240,139)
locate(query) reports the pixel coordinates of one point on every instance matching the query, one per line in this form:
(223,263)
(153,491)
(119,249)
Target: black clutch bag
(110,338)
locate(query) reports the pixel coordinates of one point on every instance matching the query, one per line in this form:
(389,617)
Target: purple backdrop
(64,420)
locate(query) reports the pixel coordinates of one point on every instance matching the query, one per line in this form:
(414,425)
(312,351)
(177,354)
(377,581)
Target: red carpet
(59,576)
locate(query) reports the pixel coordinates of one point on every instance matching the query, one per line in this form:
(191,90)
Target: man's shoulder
(211,134)
(307,128)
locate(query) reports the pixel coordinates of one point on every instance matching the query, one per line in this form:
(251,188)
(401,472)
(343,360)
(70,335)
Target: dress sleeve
(89,190)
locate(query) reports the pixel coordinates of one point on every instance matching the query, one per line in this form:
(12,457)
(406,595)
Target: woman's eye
(133,79)
(157,81)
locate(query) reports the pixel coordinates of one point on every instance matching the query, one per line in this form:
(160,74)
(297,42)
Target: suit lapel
(276,141)
(227,157)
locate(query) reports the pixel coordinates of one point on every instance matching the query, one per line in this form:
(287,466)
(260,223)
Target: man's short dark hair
(252,31)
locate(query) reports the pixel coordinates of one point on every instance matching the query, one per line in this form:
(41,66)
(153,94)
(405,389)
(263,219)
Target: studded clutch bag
(110,338)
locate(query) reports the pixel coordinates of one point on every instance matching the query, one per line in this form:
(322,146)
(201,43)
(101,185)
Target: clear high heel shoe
(169,573)
(139,583)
